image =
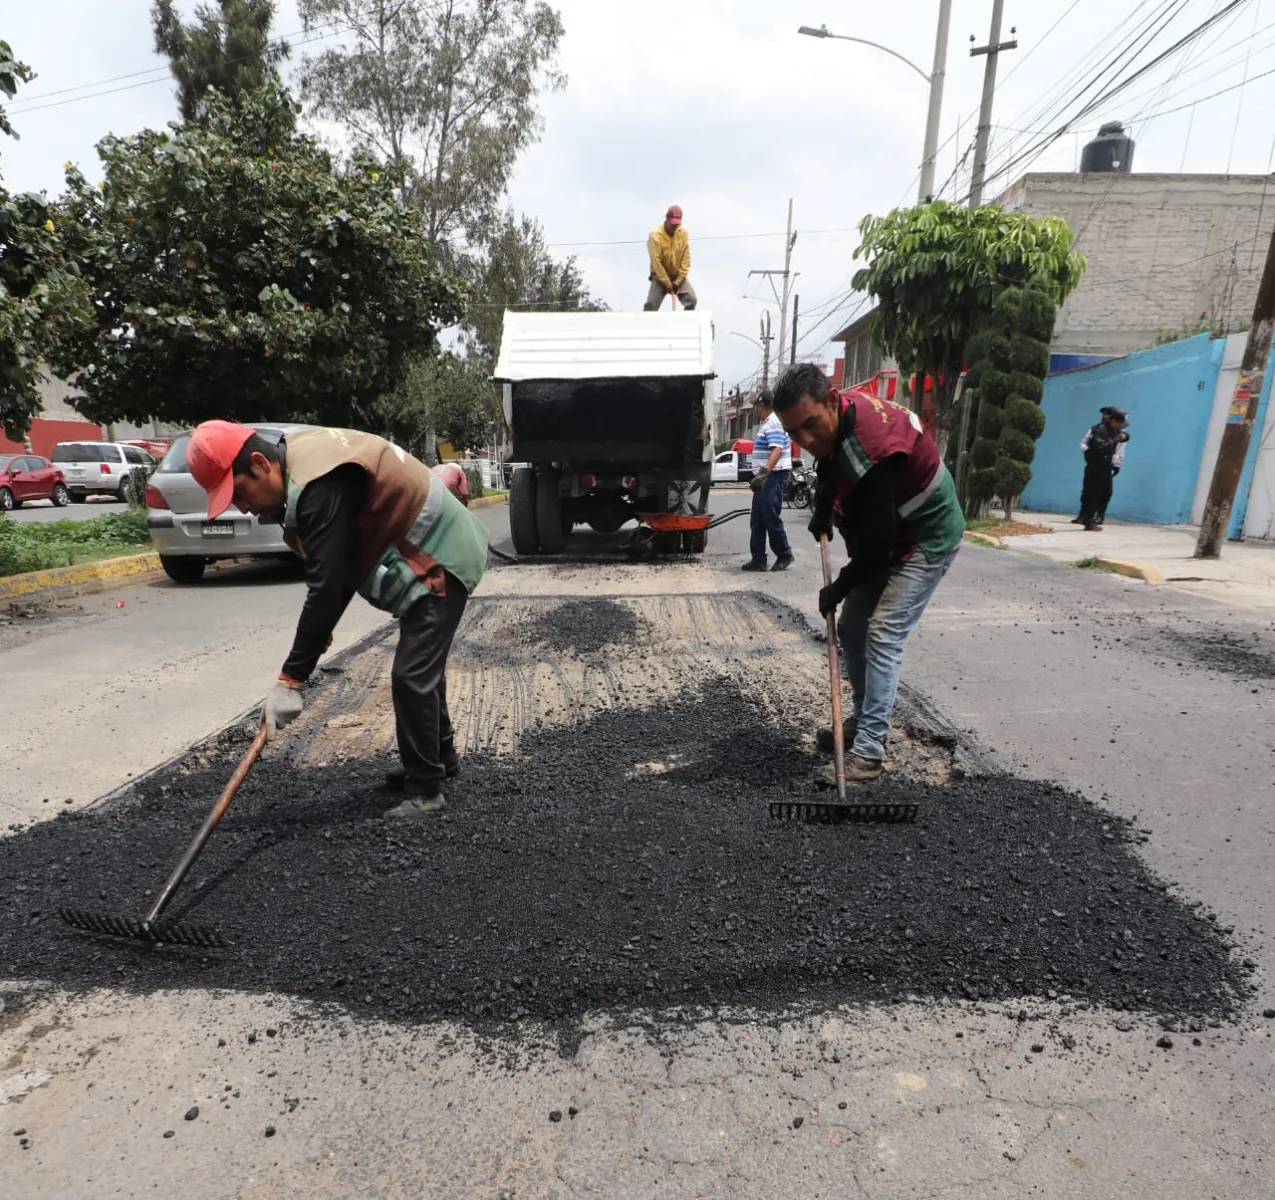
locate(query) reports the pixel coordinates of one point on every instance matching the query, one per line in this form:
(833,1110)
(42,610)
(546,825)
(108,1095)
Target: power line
(162,73)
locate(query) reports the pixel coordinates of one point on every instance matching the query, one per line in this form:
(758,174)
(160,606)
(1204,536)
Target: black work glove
(820,519)
(758,481)
(834,593)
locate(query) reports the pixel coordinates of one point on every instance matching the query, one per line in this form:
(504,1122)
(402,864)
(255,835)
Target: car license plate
(219,529)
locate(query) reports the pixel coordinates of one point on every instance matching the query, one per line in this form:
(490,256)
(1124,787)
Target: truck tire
(522,511)
(549,521)
(694,541)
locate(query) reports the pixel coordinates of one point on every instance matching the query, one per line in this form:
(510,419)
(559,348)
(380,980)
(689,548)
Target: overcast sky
(718,105)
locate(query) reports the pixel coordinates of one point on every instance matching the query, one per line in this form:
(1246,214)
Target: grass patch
(998,527)
(1090,564)
(36,547)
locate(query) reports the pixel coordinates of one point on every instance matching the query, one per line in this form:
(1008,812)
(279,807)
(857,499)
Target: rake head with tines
(169,932)
(830,812)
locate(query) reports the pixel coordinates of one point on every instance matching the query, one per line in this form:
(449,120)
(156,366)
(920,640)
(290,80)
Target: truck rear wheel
(522,511)
(694,541)
(549,520)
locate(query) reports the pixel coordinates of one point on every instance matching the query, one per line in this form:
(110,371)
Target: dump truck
(611,416)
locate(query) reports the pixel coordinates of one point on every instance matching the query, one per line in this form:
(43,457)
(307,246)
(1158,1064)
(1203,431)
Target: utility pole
(792,353)
(933,118)
(764,323)
(992,50)
(1241,417)
(781,295)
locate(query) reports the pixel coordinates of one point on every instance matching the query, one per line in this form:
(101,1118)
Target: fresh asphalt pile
(623,863)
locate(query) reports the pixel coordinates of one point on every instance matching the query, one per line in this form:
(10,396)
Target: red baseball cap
(674,214)
(209,457)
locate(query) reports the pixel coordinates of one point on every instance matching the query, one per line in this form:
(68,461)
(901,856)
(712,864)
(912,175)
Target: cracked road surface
(943,1098)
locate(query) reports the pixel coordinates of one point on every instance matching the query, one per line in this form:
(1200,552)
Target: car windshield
(78,452)
(174,462)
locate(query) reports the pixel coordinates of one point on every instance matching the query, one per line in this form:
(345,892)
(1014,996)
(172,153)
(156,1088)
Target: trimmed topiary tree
(1010,361)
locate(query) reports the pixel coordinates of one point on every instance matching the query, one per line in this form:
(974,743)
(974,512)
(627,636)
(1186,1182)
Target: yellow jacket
(670,256)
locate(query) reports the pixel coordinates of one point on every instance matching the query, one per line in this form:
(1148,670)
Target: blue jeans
(875,620)
(767,522)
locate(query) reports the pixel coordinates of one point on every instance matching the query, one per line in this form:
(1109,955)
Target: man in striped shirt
(772,468)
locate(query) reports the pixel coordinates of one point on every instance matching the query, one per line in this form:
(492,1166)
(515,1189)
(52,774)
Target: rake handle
(834,677)
(210,823)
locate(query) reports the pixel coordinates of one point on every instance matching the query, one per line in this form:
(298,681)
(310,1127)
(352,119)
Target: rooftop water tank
(1111,150)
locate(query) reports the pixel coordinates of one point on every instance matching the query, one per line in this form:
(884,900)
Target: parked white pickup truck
(730,466)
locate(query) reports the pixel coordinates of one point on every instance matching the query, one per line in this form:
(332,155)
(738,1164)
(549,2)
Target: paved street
(1152,702)
(36,511)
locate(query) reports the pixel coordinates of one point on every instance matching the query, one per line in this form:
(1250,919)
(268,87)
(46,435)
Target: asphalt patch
(625,864)
(586,626)
(1243,657)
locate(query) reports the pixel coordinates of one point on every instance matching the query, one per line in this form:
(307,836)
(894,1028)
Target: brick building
(1167,254)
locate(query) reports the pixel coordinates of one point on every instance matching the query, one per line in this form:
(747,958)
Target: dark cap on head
(1116,414)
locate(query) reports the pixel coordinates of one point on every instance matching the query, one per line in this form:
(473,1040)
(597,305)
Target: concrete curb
(487,501)
(56,582)
(985,539)
(1133,570)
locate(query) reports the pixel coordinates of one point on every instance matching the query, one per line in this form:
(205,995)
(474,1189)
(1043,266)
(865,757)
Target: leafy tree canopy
(444,89)
(936,270)
(236,272)
(226,47)
(41,293)
(444,394)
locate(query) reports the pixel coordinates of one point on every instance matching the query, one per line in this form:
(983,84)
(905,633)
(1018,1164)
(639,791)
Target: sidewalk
(1163,554)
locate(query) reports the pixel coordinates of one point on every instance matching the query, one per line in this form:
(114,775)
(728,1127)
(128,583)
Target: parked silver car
(177,514)
(99,468)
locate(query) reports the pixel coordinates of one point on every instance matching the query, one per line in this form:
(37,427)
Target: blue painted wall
(1168,393)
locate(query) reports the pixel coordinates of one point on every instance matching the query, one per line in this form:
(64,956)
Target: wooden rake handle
(834,679)
(210,823)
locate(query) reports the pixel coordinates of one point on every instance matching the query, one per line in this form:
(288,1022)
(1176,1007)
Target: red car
(26,477)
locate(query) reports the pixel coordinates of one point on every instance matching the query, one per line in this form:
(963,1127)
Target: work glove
(282,707)
(1115,471)
(833,594)
(820,520)
(758,481)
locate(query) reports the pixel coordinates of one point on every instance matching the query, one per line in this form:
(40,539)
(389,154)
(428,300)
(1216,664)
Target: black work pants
(1095,493)
(418,683)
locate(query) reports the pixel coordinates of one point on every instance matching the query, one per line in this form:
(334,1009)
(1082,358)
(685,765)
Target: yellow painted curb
(83,577)
(1133,570)
(985,539)
(486,501)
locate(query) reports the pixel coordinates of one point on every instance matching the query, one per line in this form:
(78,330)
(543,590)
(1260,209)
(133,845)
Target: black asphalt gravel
(577,877)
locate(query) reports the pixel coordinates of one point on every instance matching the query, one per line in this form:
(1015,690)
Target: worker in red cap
(669,248)
(366,517)
(453,477)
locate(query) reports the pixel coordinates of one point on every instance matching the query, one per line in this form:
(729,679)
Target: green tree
(935,272)
(226,47)
(445,90)
(236,272)
(443,395)
(1010,356)
(517,271)
(41,292)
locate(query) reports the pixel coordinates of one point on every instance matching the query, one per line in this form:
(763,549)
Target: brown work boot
(823,738)
(858,770)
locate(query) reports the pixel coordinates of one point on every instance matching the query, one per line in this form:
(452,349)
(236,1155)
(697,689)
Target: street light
(935,79)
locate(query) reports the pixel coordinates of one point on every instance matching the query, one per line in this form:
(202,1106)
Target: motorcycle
(801,486)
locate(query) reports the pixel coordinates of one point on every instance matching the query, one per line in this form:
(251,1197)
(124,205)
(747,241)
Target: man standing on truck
(884,487)
(669,249)
(366,517)
(772,468)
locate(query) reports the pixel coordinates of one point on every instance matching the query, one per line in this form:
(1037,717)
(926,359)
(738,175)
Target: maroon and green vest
(929,514)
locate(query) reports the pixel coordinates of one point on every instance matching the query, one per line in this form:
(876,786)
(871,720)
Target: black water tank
(1111,150)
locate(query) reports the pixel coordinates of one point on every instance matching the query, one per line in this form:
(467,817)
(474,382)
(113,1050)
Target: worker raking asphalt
(574,876)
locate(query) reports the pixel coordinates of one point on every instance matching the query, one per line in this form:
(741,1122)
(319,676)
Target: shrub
(1015,444)
(474,478)
(990,420)
(1029,387)
(1024,415)
(984,453)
